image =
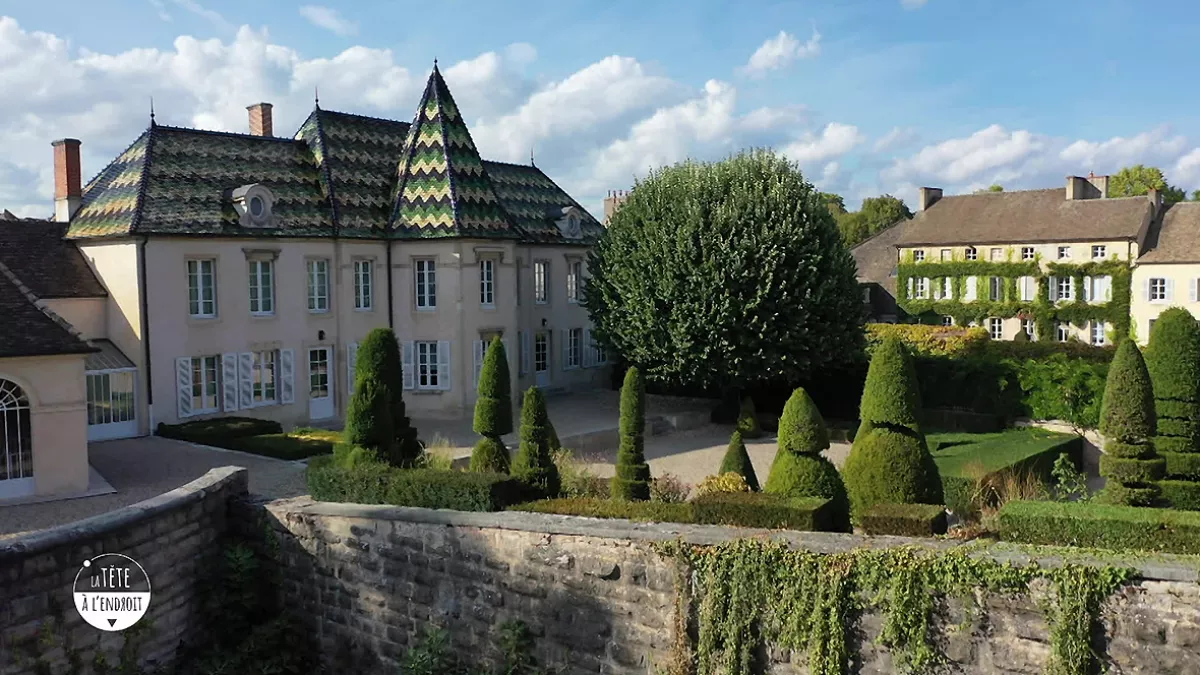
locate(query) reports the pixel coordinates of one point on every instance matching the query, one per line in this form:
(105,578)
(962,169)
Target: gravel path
(141,468)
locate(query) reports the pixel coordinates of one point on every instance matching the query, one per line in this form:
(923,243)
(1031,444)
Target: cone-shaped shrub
(378,357)
(1128,421)
(369,418)
(747,422)
(889,461)
(632,482)
(799,470)
(534,464)
(1173,361)
(555,444)
(737,460)
(493,407)
(489,456)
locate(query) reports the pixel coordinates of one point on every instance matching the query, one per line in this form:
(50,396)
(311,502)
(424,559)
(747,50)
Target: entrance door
(541,359)
(16,451)
(111,408)
(320,385)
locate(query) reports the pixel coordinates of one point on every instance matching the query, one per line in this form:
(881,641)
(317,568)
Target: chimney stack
(1092,187)
(613,202)
(260,119)
(927,197)
(1156,202)
(68,186)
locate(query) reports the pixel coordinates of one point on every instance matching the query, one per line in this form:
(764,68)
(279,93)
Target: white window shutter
(444,371)
(229,381)
(910,287)
(1087,289)
(526,352)
(972,289)
(183,381)
(1053,289)
(1192,291)
(480,349)
(351,367)
(1170,290)
(1146,289)
(246,379)
(1108,289)
(406,359)
(287,375)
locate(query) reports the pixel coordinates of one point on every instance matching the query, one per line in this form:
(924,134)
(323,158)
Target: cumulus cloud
(895,139)
(780,52)
(833,141)
(329,19)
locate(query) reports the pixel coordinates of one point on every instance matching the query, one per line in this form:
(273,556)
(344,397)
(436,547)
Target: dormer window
(253,203)
(569,223)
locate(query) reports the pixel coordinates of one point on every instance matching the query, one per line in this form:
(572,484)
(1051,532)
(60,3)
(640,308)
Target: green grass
(1105,526)
(259,437)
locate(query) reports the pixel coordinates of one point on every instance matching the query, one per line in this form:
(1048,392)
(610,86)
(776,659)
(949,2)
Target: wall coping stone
(1149,566)
(234,478)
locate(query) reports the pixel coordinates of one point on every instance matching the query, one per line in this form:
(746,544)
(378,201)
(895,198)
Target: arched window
(16,456)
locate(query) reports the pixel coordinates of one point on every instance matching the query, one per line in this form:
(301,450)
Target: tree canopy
(994,187)
(1136,180)
(725,274)
(875,215)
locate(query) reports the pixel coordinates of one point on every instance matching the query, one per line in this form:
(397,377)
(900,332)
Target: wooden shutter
(351,367)
(406,359)
(972,289)
(1146,289)
(246,379)
(564,336)
(287,376)
(1192,291)
(229,381)
(183,385)
(1170,290)
(1087,289)
(480,350)
(444,372)
(910,287)
(525,344)
(1053,287)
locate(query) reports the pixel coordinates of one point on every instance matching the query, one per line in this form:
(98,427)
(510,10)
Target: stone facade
(171,536)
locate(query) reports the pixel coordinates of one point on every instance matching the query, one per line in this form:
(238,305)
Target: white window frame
(971,253)
(996,328)
(574,274)
(947,320)
(1062,331)
(996,289)
(996,254)
(946,254)
(425,284)
(196,284)
(918,255)
(265,378)
(541,277)
(1064,252)
(364,285)
(1157,289)
(428,366)
(1065,288)
(200,365)
(318,285)
(1029,327)
(574,349)
(921,291)
(1099,252)
(1027,253)
(1099,333)
(1027,286)
(261,286)
(487,283)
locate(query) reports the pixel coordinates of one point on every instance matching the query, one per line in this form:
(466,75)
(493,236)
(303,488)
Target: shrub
(890,395)
(378,357)
(576,479)
(375,482)
(1180,494)
(912,520)
(1173,362)
(747,509)
(1185,465)
(203,431)
(534,462)
(933,340)
(1127,418)
(983,470)
(660,512)
(369,416)
(490,456)
(1021,336)
(669,489)
(737,460)
(493,407)
(280,446)
(893,467)
(799,470)
(632,481)
(722,483)
(1093,525)
(747,422)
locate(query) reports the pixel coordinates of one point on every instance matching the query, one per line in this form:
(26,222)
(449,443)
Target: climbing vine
(749,593)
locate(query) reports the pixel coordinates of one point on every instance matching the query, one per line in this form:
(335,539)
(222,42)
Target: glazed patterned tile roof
(343,174)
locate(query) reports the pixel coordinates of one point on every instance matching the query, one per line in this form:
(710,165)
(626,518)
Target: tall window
(1027,253)
(1099,333)
(996,288)
(487,283)
(574,273)
(947,320)
(202,288)
(264,377)
(318,285)
(1066,288)
(204,384)
(996,254)
(946,255)
(364,284)
(16,452)
(918,256)
(428,374)
(574,348)
(1158,289)
(972,253)
(262,287)
(996,328)
(426,271)
(541,272)
(1027,326)
(922,288)
(1062,331)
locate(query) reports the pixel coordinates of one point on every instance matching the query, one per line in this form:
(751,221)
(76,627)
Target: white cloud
(896,138)
(833,141)
(960,159)
(211,15)
(913,4)
(329,19)
(161,9)
(1187,170)
(781,51)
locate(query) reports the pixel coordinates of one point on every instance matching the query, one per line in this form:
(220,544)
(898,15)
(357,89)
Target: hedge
(964,459)
(380,483)
(280,446)
(738,509)
(1183,495)
(218,428)
(912,520)
(939,340)
(1093,525)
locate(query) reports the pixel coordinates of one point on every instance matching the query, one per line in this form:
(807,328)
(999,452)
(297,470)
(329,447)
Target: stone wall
(600,600)
(171,536)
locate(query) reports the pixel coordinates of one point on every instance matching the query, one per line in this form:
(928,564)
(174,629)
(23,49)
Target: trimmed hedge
(1180,494)
(280,446)
(1183,464)
(204,431)
(1094,525)
(910,520)
(924,339)
(380,483)
(737,509)
(961,458)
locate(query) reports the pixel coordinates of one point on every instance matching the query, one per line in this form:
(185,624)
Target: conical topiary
(493,411)
(489,456)
(799,470)
(1173,362)
(747,422)
(737,460)
(368,417)
(378,357)
(1128,422)
(533,463)
(632,482)
(889,461)
(555,444)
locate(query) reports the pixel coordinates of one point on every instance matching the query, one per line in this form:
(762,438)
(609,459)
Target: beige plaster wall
(1143,310)
(88,315)
(57,393)
(116,264)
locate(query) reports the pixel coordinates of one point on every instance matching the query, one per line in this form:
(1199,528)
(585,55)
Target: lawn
(260,437)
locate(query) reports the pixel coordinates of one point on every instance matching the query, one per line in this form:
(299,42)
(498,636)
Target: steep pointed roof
(442,189)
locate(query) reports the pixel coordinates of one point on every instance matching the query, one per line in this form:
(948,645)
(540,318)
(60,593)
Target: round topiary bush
(890,395)
(747,423)
(534,463)
(1173,362)
(1128,421)
(889,466)
(489,456)
(632,482)
(799,470)
(737,460)
(802,429)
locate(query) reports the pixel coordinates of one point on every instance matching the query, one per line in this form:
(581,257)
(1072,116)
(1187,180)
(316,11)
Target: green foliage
(1095,525)
(669,489)
(874,216)
(737,460)
(1185,465)
(910,520)
(1070,484)
(1060,387)
(260,437)
(722,483)
(432,653)
(736,509)
(632,479)
(799,470)
(802,430)
(1127,416)
(967,461)
(218,429)
(725,274)
(1183,495)
(490,456)
(747,422)
(994,187)
(890,466)
(369,416)
(534,463)
(380,483)
(1137,180)
(493,407)
(891,396)
(1173,361)
(378,359)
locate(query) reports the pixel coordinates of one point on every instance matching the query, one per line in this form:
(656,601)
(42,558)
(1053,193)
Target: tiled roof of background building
(1176,238)
(47,264)
(29,330)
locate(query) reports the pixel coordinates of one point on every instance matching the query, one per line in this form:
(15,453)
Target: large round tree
(725,274)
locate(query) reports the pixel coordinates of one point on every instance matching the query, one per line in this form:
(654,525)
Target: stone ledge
(232,478)
(1149,566)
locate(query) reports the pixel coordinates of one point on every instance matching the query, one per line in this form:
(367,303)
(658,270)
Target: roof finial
(317,97)
(531,156)
(435,63)
(151,111)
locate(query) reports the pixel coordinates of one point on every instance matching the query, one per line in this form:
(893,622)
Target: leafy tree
(1128,422)
(534,463)
(799,470)
(747,422)
(834,202)
(378,358)
(726,274)
(632,482)
(1173,362)
(1136,180)
(994,187)
(737,460)
(854,228)
(493,411)
(1196,195)
(874,216)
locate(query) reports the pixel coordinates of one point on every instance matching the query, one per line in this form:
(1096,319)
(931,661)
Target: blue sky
(868,96)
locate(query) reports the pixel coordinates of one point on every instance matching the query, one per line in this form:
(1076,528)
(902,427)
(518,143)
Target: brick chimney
(927,197)
(68,186)
(613,202)
(260,119)
(1092,187)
